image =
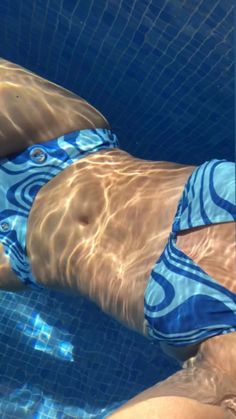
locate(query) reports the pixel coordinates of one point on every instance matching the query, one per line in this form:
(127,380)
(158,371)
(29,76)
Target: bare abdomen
(102,224)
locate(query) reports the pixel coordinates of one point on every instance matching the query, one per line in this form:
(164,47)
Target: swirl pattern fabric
(21,177)
(183,304)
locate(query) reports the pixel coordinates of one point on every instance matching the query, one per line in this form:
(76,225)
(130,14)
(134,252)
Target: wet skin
(99,226)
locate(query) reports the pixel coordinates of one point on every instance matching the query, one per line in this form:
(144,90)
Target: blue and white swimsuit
(183,305)
(21,177)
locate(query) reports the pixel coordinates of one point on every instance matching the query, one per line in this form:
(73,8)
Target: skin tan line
(98,228)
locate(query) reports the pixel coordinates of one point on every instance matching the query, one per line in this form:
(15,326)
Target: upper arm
(170,408)
(200,390)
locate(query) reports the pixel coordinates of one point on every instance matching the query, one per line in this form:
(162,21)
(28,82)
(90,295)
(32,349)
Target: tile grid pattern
(61,357)
(162,73)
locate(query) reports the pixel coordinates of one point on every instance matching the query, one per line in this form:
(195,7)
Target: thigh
(33,109)
(8,280)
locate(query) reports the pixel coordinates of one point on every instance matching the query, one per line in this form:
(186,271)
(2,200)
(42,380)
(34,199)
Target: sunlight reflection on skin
(35,110)
(99,226)
(104,237)
(204,378)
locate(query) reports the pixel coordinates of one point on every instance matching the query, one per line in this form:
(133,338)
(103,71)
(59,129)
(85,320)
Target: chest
(213,248)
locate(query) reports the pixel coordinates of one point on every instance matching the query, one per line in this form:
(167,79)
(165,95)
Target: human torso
(99,227)
(102,225)
(116,214)
(103,230)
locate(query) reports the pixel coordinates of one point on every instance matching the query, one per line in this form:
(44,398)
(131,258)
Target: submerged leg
(8,280)
(33,109)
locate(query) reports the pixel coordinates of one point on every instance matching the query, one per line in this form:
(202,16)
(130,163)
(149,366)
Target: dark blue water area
(62,357)
(162,74)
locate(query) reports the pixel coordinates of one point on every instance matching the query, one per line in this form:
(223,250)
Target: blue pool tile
(162,73)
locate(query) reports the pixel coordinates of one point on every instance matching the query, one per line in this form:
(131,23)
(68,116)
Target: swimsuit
(23,174)
(183,305)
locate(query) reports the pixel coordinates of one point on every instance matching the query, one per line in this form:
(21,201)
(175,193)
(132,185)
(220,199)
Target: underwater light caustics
(45,338)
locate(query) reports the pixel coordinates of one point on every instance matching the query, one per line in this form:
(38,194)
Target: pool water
(162,74)
(61,357)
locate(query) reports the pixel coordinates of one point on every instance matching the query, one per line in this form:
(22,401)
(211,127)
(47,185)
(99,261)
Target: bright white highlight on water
(46,338)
